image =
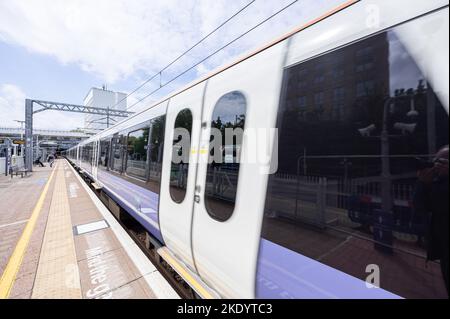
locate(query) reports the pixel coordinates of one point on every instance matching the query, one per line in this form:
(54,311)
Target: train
(339,111)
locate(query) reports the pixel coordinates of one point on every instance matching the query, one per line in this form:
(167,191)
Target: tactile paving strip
(57,274)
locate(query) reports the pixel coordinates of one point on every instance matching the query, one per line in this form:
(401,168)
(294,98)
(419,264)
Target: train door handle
(197,199)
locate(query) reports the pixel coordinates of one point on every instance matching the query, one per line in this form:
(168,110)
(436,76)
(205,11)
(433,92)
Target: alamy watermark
(373,279)
(258,146)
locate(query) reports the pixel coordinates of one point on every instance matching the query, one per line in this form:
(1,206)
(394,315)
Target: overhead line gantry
(57,106)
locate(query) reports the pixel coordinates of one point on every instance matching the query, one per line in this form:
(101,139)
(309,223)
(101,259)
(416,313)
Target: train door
(230,184)
(183,125)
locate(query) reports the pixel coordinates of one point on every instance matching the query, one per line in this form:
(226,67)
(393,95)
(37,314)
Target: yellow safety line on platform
(191,280)
(15,261)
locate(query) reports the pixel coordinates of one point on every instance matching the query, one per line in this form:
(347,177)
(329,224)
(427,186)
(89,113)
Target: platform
(57,240)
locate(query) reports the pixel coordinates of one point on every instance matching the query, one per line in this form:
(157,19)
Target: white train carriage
(355,96)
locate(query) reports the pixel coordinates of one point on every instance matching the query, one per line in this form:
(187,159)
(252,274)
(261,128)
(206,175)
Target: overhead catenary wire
(214,53)
(185,52)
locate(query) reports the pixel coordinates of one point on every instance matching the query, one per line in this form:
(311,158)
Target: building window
(181,151)
(365,88)
(364,67)
(228,123)
(137,143)
(319,79)
(302,84)
(364,51)
(338,72)
(338,110)
(302,102)
(339,94)
(302,74)
(319,99)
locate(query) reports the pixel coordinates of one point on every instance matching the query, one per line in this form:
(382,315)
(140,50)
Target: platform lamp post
(383,219)
(386,187)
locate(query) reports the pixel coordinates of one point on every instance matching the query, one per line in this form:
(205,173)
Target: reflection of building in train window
(344,189)
(302,102)
(365,88)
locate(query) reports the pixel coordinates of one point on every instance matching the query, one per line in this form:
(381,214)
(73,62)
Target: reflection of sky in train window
(228,107)
(403,71)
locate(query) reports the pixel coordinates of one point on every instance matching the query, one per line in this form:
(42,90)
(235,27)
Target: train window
(103,159)
(347,193)
(83,153)
(117,153)
(90,149)
(91,153)
(87,155)
(137,153)
(156,153)
(227,128)
(180,155)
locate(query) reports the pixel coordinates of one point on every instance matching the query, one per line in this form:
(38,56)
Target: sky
(57,50)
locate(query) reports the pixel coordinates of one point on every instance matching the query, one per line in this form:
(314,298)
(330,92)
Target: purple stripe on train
(283,273)
(141,202)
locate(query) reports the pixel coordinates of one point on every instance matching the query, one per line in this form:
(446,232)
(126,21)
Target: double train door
(212,204)
(224,235)
(231,179)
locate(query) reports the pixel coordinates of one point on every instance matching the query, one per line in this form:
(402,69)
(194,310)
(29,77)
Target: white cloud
(12,108)
(133,39)
(116,38)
